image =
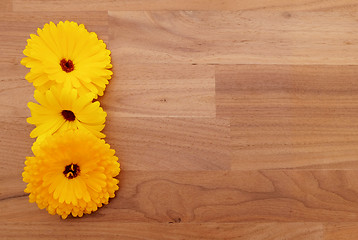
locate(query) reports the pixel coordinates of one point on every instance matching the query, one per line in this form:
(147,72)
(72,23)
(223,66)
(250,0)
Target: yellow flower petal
(48,127)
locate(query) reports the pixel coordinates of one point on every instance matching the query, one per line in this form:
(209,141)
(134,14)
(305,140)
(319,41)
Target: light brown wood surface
(232,119)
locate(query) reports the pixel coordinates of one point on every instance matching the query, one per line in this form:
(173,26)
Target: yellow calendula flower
(62,109)
(72,172)
(68,55)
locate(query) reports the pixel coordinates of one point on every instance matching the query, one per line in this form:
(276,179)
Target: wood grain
(286,116)
(15,28)
(15,145)
(249,37)
(161,91)
(267,142)
(231,119)
(287,90)
(15,142)
(340,231)
(180,143)
(5,5)
(121,5)
(135,231)
(216,197)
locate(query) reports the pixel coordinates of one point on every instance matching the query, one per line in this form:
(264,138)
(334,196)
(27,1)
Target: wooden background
(231,119)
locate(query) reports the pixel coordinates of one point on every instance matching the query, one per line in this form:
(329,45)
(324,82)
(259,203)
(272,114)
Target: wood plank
(157,90)
(15,28)
(15,145)
(5,5)
(269,142)
(341,231)
(290,116)
(158,231)
(89,5)
(249,37)
(184,144)
(286,90)
(15,142)
(11,189)
(15,91)
(215,197)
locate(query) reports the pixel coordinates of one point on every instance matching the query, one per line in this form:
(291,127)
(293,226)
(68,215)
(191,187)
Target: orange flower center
(67,65)
(68,115)
(71,171)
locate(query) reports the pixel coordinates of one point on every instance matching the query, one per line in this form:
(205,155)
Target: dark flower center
(67,65)
(68,115)
(71,171)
